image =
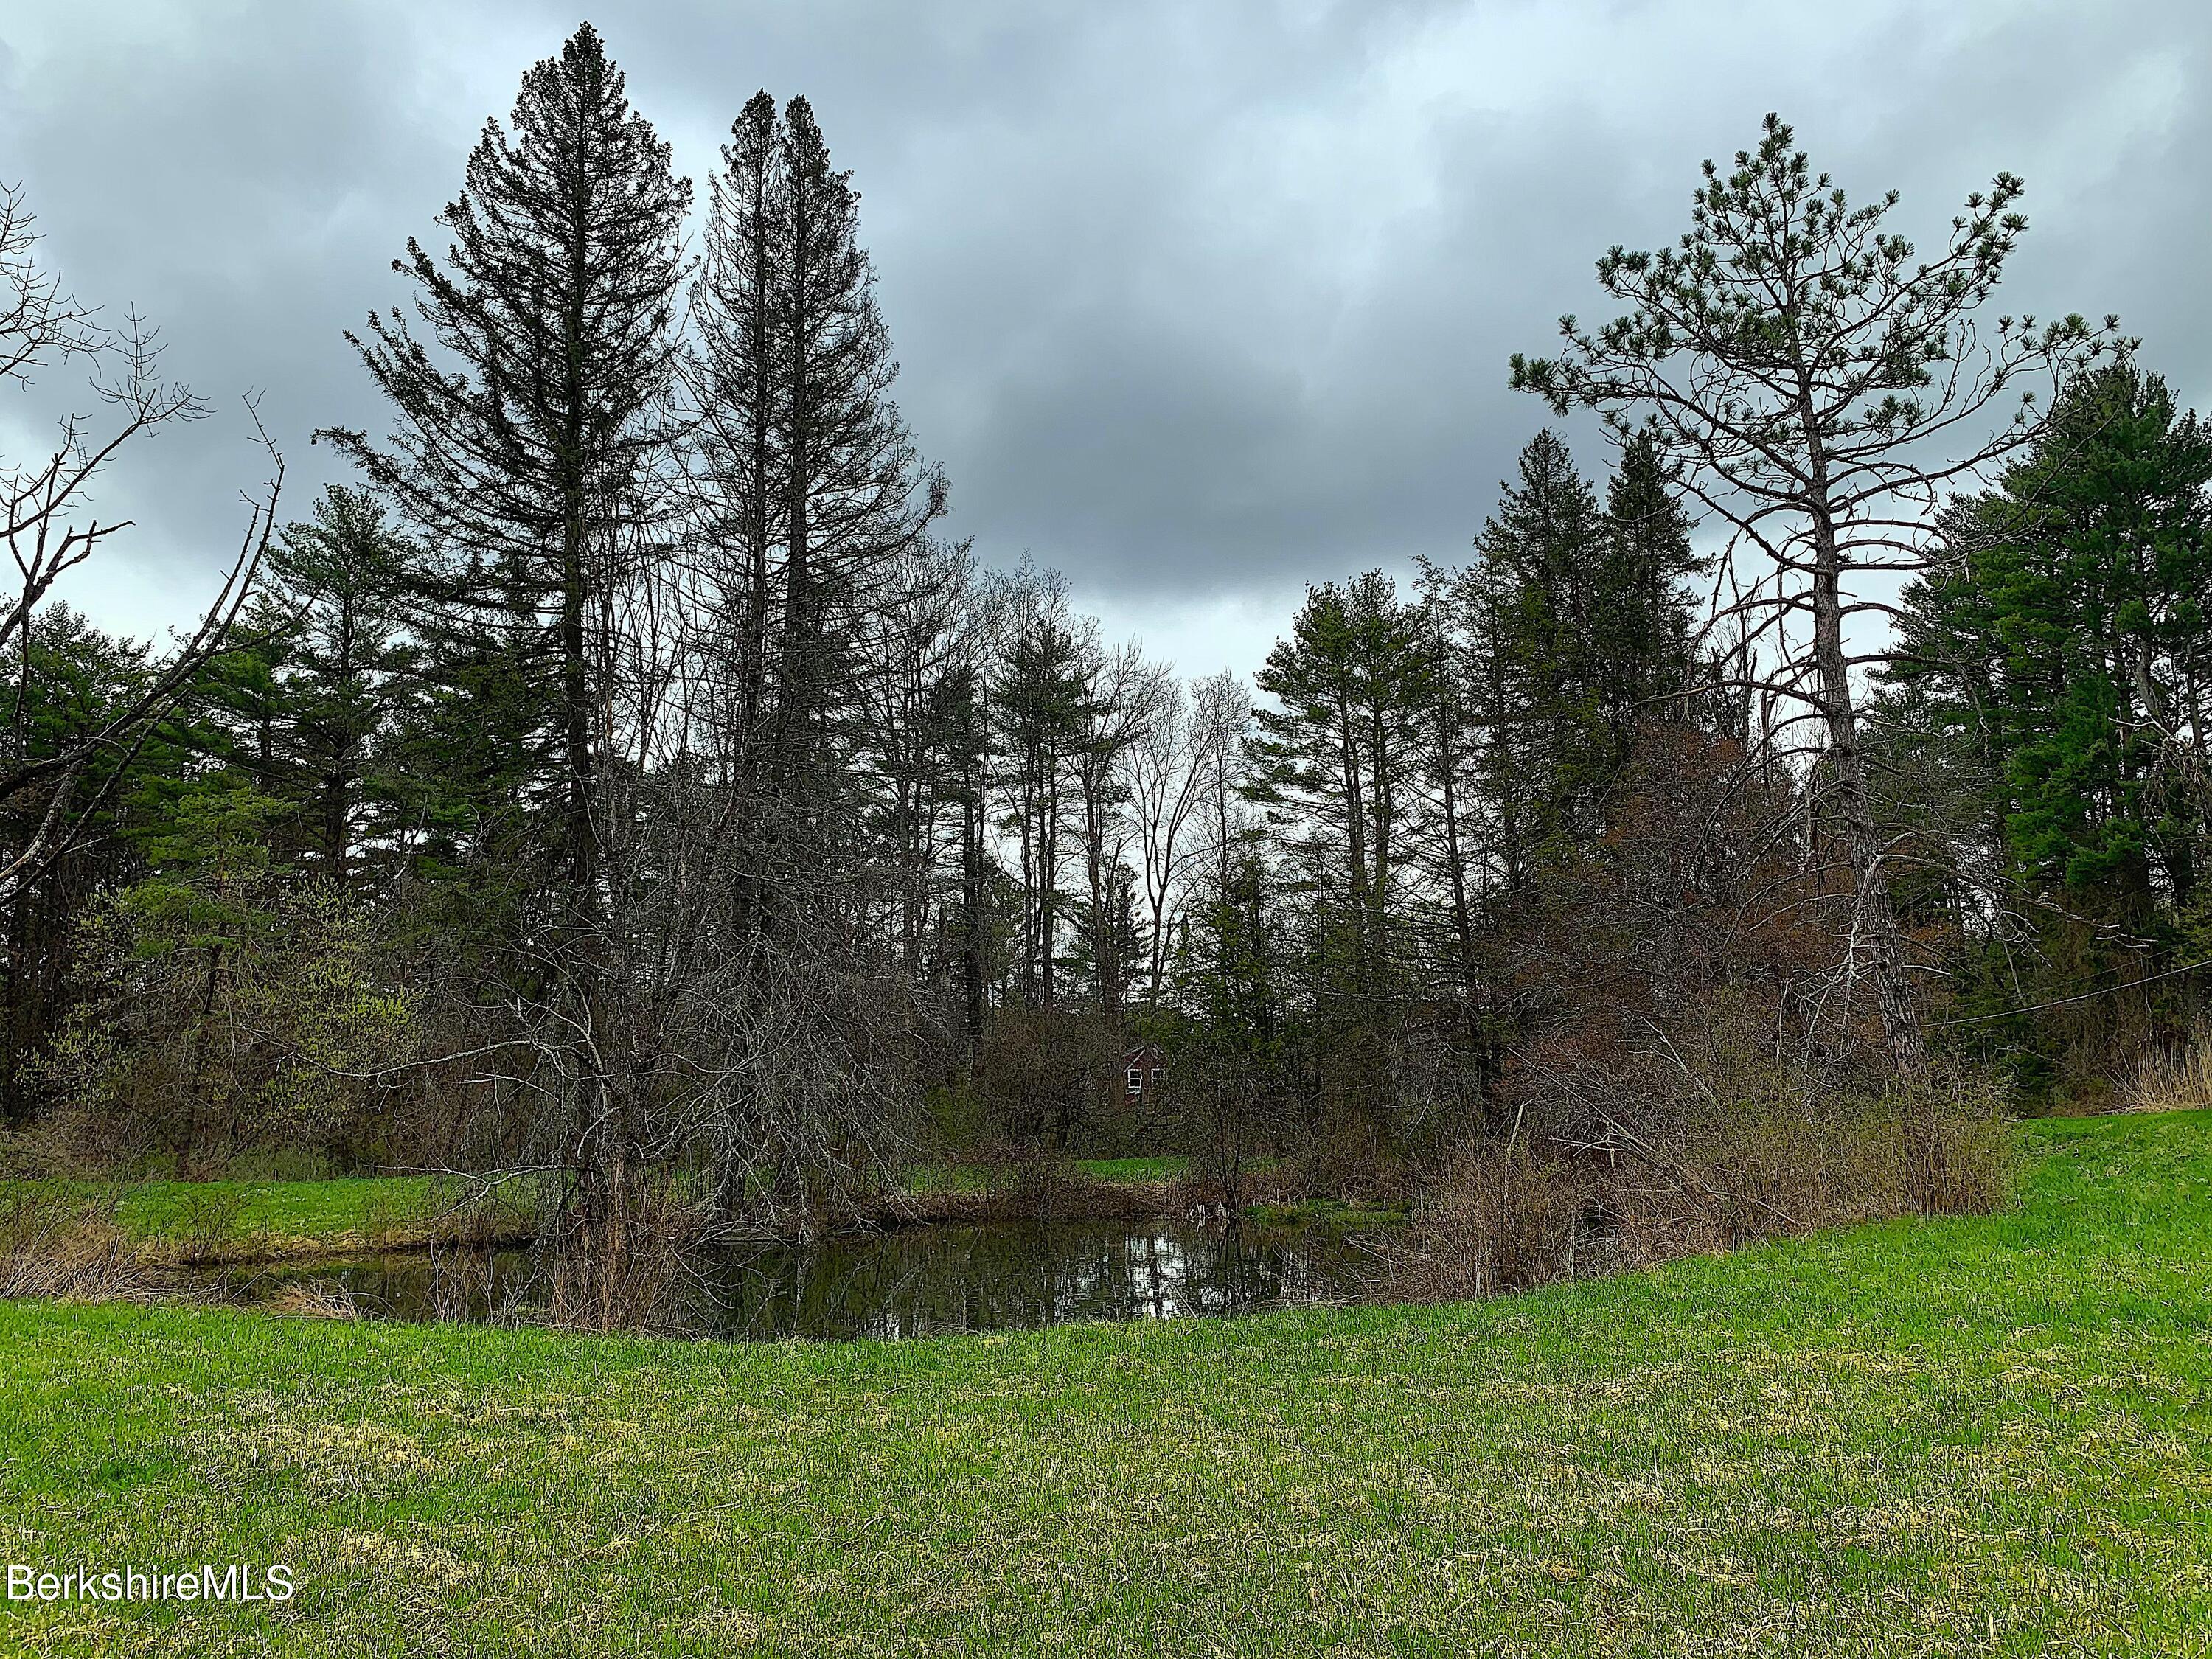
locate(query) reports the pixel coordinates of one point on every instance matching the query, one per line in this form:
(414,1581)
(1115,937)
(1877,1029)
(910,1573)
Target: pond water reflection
(918,1281)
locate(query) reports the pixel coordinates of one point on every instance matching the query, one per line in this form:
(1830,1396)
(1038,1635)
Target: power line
(2038,1007)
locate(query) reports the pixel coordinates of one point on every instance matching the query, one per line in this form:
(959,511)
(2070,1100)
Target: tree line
(626,775)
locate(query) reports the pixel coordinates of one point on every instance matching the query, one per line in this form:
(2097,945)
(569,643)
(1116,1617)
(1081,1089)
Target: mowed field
(1980,1435)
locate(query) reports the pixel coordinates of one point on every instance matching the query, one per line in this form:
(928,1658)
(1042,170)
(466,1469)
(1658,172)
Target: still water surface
(919,1281)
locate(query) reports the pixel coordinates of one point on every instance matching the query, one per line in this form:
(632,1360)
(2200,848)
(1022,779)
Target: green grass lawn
(1110,1171)
(316,1210)
(1980,1435)
(257,1217)
(1118,1170)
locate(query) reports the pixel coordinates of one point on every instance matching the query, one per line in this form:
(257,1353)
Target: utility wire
(2102,991)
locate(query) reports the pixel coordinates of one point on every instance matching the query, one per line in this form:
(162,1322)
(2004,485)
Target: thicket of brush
(2172,1078)
(56,1243)
(1694,1147)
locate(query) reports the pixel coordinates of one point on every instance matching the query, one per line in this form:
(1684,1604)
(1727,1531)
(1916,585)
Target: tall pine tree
(531,423)
(528,452)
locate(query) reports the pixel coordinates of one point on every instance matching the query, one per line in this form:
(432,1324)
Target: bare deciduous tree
(1178,768)
(48,515)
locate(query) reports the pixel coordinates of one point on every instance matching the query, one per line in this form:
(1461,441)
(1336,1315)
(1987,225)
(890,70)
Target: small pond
(917,1281)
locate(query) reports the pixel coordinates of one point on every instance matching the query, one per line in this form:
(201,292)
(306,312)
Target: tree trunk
(971,905)
(1874,919)
(1454,855)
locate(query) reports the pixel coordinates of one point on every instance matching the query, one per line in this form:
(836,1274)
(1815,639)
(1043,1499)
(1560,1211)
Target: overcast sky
(1197,300)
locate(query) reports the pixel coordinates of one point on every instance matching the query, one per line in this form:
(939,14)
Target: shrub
(1672,1153)
(1494,1217)
(2176,1078)
(1047,1075)
(222,1007)
(55,1242)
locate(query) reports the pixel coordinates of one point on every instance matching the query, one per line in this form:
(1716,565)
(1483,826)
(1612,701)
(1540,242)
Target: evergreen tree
(2068,640)
(811,502)
(1573,632)
(1040,708)
(531,423)
(1106,942)
(1641,623)
(960,720)
(1231,966)
(828,621)
(70,677)
(531,455)
(1335,762)
(1450,758)
(331,602)
(1545,551)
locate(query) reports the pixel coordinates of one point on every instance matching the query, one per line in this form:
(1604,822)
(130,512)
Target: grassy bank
(252,1220)
(1159,1169)
(296,1214)
(1985,1435)
(255,1220)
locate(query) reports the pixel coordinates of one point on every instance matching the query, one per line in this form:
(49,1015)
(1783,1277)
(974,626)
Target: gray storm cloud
(1198,303)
